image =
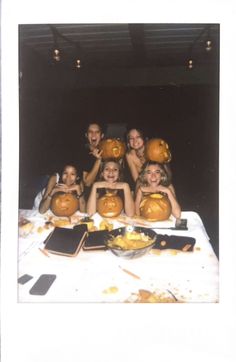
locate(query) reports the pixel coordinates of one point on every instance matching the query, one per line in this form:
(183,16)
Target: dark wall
(53,122)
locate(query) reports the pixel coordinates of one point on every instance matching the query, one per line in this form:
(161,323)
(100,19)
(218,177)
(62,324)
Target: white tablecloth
(97,276)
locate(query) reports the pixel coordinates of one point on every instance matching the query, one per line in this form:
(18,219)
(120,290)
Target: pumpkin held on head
(155,207)
(109,205)
(156,149)
(112,148)
(64,204)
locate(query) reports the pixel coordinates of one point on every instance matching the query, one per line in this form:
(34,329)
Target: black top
(87,161)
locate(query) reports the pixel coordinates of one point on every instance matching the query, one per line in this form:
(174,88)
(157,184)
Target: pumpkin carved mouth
(109,205)
(64,204)
(112,148)
(155,207)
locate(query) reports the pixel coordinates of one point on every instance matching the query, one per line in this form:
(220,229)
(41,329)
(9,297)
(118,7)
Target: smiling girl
(68,183)
(154,179)
(111,181)
(135,156)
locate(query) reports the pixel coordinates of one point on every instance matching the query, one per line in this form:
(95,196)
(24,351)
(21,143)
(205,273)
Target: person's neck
(92,147)
(140,152)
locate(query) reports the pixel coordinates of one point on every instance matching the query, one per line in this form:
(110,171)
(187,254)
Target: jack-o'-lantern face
(64,204)
(157,150)
(155,207)
(112,148)
(109,205)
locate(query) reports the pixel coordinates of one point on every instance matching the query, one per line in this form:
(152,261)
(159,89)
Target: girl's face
(135,140)
(69,175)
(111,172)
(153,174)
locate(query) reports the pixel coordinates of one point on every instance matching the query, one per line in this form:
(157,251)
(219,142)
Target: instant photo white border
(89,332)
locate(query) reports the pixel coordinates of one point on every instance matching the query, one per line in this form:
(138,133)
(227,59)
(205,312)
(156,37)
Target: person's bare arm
(128,200)
(176,209)
(92,200)
(89,177)
(129,208)
(47,196)
(138,201)
(79,189)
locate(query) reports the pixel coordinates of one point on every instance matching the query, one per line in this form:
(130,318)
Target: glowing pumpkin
(157,149)
(109,205)
(64,204)
(155,207)
(112,148)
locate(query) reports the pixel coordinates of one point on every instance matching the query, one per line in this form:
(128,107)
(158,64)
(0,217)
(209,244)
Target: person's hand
(97,153)
(101,185)
(60,187)
(155,189)
(118,185)
(75,187)
(161,188)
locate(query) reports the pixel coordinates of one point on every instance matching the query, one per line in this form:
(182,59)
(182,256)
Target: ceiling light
(190,64)
(208,45)
(78,65)
(56,55)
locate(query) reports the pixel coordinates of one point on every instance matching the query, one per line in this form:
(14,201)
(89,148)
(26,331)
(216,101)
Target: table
(100,276)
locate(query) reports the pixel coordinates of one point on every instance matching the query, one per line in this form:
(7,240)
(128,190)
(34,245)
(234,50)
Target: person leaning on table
(153,179)
(69,182)
(111,181)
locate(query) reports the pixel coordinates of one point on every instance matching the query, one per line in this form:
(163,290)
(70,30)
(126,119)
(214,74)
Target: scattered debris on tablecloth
(145,296)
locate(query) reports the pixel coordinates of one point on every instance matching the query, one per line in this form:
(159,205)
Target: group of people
(96,176)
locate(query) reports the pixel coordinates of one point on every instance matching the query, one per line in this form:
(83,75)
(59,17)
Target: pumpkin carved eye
(63,204)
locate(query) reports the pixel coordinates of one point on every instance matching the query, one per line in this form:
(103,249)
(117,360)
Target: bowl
(130,253)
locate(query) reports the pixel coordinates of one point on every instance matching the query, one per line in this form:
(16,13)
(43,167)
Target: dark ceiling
(105,47)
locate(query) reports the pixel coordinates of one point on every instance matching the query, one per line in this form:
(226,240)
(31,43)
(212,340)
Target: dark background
(55,110)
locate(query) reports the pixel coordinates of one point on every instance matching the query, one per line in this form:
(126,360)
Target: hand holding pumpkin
(97,153)
(156,189)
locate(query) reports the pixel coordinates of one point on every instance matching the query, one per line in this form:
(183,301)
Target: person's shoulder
(130,154)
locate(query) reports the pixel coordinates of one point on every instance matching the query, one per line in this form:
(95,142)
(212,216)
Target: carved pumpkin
(157,149)
(155,207)
(64,204)
(112,148)
(109,205)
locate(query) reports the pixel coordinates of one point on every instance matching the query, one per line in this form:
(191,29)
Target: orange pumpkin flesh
(157,149)
(155,207)
(109,205)
(64,204)
(112,148)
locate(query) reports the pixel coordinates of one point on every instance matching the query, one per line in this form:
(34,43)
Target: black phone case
(183,243)
(96,240)
(42,285)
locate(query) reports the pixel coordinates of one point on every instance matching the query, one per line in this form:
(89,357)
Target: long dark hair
(141,133)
